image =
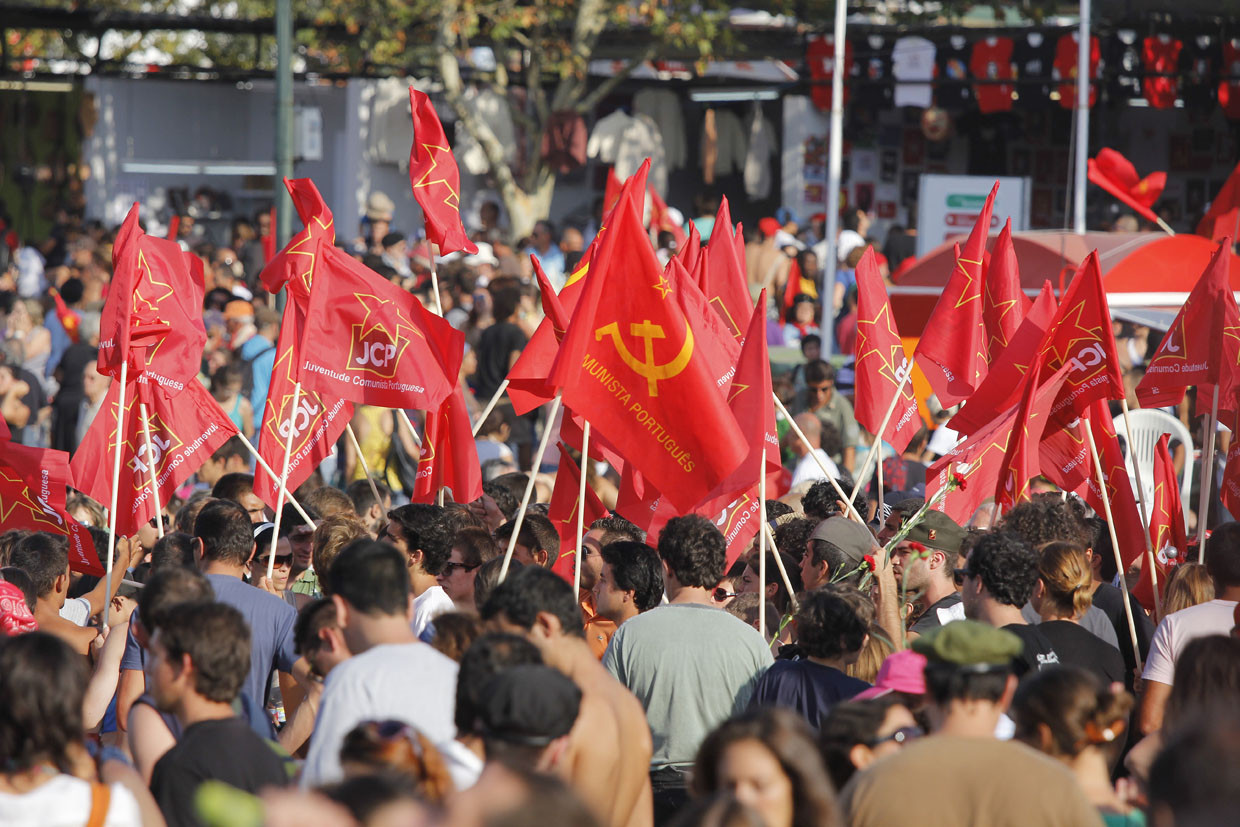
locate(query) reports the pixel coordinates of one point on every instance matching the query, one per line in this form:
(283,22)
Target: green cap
(967,643)
(936,530)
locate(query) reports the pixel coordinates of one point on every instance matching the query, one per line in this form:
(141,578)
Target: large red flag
(952,350)
(1004,303)
(882,367)
(527,378)
(726,288)
(184,434)
(314,425)
(435,178)
(1193,350)
(642,365)
(365,340)
(32,496)
(1021,461)
(450,455)
(562,512)
(1116,174)
(295,265)
(68,318)
(153,313)
(979,460)
(691,250)
(1167,533)
(1223,217)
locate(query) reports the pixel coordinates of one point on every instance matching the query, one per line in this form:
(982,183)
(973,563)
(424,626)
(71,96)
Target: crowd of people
(396,669)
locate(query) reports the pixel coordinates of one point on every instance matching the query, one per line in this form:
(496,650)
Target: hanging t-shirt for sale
(952,84)
(1161,57)
(820,57)
(912,63)
(1229,84)
(1124,58)
(1200,63)
(872,70)
(1034,55)
(1066,54)
(991,62)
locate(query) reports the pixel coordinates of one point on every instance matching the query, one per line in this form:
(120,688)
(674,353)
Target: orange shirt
(598,629)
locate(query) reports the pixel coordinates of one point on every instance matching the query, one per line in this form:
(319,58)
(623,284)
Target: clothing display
(564,142)
(912,64)
(666,109)
(762,150)
(992,61)
(820,59)
(872,70)
(952,84)
(1161,58)
(1034,56)
(605,138)
(1200,62)
(639,141)
(1066,54)
(1124,60)
(729,145)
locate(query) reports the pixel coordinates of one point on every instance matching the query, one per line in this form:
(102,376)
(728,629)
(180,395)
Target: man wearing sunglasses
(821,399)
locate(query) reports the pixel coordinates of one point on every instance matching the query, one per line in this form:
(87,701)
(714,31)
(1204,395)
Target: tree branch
(590,23)
(605,88)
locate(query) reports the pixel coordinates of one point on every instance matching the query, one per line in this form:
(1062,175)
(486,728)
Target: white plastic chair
(1148,426)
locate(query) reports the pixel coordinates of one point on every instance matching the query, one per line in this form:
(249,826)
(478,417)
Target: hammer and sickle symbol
(648,369)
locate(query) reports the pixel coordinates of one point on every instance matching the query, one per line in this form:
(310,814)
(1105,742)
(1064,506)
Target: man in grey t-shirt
(691,665)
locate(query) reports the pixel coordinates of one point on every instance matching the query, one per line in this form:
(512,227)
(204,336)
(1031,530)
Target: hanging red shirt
(820,55)
(1065,69)
(1161,56)
(991,61)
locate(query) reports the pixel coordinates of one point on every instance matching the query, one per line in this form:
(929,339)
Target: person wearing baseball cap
(525,715)
(925,561)
(836,552)
(961,773)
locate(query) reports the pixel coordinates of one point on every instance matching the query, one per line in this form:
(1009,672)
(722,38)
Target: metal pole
(835,156)
(1082,120)
(284,120)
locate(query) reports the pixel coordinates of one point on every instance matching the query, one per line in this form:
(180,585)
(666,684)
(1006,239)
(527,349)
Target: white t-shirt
(1178,628)
(912,59)
(807,469)
(409,682)
(76,611)
(429,605)
(65,802)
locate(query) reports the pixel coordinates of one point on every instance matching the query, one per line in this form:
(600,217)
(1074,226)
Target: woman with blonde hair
(1063,593)
(1189,585)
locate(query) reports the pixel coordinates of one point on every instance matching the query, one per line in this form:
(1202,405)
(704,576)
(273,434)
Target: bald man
(808,469)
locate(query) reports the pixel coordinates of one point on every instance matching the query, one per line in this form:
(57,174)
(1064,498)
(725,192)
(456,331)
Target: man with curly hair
(419,533)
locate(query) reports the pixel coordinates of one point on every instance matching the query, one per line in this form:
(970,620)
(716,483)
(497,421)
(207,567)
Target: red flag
(1193,350)
(295,264)
(153,312)
(268,239)
(365,340)
(563,512)
(315,424)
(32,496)
(450,459)
(611,194)
(1004,303)
(1167,533)
(661,219)
(641,366)
(69,319)
(952,350)
(1223,217)
(979,460)
(1116,174)
(1021,462)
(882,367)
(435,178)
(999,391)
(527,378)
(727,288)
(184,434)
(691,250)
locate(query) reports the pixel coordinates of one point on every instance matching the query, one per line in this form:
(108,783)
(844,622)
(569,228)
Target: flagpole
(581,501)
(503,386)
(796,429)
(835,155)
(289,496)
(878,438)
(150,468)
(529,487)
(762,549)
(288,454)
(116,484)
(878,470)
(1119,562)
(431,248)
(1145,517)
(412,431)
(357,448)
(1207,476)
(779,564)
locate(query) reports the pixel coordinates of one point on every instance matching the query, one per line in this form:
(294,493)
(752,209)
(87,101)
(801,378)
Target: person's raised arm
(129,554)
(107,672)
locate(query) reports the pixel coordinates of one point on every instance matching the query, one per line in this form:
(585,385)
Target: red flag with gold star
(32,496)
(562,512)
(726,286)
(1167,532)
(365,340)
(691,250)
(952,350)
(184,434)
(641,363)
(1192,352)
(435,178)
(1021,461)
(296,263)
(1223,217)
(1004,303)
(882,366)
(1116,174)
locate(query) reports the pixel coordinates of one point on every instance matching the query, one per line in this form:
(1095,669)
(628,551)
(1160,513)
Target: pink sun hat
(901,672)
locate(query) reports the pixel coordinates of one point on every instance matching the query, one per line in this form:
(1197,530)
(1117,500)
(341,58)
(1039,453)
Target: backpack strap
(100,800)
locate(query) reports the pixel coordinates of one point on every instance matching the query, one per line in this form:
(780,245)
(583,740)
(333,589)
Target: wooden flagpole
(1207,476)
(116,484)
(779,563)
(150,469)
(357,448)
(796,429)
(762,549)
(259,458)
(529,487)
(581,502)
(288,453)
(1145,516)
(878,438)
(1119,563)
(503,386)
(431,249)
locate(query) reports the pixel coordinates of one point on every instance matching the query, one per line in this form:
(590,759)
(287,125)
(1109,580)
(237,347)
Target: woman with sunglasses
(278,585)
(855,734)
(768,759)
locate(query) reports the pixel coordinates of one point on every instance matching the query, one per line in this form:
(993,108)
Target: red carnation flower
(869,561)
(958,481)
(916,546)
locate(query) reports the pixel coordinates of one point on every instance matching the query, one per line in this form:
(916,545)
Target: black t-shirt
(1039,653)
(952,83)
(929,619)
(1123,60)
(494,349)
(1077,646)
(1199,62)
(1110,601)
(222,750)
(872,69)
(806,687)
(1034,56)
